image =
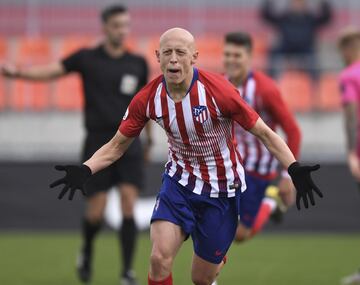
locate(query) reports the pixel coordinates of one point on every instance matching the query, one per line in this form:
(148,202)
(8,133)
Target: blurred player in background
(261,167)
(349,46)
(111,76)
(203,177)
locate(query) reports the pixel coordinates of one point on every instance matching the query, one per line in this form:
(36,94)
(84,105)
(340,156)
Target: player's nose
(173,58)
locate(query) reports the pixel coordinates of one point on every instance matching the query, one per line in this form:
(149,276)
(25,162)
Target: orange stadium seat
(151,46)
(68,91)
(71,44)
(260,51)
(328,92)
(296,88)
(28,95)
(210,52)
(3,49)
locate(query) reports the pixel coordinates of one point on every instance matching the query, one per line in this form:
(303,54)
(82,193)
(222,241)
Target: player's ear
(157,53)
(194,58)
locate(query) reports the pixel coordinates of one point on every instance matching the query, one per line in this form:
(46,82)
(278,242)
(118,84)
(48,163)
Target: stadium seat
(33,50)
(71,44)
(68,90)
(3,49)
(68,93)
(32,96)
(29,95)
(296,88)
(328,93)
(210,52)
(260,50)
(152,44)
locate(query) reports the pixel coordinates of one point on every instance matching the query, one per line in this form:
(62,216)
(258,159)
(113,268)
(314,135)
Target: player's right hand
(10,70)
(74,179)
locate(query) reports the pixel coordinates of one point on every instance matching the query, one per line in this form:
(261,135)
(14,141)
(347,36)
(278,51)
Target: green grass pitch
(269,259)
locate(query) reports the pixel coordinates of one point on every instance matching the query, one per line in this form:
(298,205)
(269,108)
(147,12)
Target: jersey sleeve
(231,104)
(348,91)
(238,110)
(282,116)
(74,61)
(135,117)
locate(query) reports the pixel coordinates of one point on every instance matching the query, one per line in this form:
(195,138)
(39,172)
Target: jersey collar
(194,79)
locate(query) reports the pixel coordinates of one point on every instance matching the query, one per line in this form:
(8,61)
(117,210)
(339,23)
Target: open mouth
(173,70)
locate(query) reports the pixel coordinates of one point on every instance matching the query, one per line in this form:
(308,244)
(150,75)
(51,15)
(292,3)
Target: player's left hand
(305,186)
(74,179)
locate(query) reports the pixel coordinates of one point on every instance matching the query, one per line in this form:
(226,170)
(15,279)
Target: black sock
(127,236)
(89,231)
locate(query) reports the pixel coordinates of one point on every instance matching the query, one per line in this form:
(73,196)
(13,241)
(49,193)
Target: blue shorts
(211,222)
(250,200)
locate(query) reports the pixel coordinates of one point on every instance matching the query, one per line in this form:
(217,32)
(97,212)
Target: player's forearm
(108,153)
(41,73)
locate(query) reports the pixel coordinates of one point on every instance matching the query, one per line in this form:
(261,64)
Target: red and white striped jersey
(261,93)
(202,152)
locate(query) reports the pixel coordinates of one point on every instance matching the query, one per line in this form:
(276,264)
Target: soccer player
(349,46)
(111,76)
(261,93)
(203,177)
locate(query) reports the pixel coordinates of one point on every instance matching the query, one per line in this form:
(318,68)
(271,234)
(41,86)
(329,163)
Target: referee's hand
(305,186)
(75,178)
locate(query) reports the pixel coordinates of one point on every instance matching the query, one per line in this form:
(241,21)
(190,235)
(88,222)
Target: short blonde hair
(348,36)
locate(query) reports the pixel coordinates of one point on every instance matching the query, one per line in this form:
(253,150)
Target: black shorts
(128,169)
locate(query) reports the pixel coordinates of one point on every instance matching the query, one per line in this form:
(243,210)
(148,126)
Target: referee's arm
(34,73)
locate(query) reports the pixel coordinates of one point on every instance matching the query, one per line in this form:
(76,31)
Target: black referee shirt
(109,84)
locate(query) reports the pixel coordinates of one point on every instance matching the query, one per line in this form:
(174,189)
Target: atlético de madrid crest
(200,113)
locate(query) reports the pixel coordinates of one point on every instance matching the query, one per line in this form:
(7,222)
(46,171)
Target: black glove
(301,177)
(75,178)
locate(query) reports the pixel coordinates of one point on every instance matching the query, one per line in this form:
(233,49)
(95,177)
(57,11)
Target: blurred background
(41,125)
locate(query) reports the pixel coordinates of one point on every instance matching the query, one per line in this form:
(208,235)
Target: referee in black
(111,76)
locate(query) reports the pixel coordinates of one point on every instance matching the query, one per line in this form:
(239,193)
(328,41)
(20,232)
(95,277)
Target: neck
(238,81)
(112,50)
(178,91)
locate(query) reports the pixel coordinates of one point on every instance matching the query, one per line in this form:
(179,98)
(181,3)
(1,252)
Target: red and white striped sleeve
(230,102)
(135,116)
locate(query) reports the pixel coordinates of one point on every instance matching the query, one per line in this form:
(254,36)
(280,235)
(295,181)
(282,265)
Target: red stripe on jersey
(220,167)
(194,101)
